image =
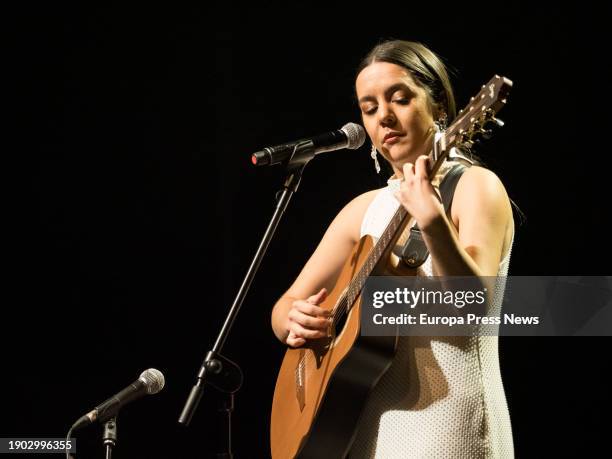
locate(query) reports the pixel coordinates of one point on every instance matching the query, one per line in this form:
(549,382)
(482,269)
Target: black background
(134,210)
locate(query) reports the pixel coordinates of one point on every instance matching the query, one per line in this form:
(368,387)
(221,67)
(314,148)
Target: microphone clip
(221,373)
(302,153)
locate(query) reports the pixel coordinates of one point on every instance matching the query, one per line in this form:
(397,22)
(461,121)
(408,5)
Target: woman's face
(396,112)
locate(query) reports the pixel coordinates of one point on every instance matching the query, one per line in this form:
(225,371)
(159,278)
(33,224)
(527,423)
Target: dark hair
(425,67)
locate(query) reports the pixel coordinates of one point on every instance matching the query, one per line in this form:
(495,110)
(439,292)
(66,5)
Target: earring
(442,122)
(375,158)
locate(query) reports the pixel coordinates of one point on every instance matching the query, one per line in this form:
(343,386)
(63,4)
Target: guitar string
(373,258)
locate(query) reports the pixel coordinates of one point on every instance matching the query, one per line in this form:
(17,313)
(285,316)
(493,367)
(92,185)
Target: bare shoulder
(325,264)
(351,216)
(481,176)
(481,209)
(361,202)
(479,185)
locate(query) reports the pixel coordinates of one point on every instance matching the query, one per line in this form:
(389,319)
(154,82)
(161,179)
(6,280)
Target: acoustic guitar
(322,387)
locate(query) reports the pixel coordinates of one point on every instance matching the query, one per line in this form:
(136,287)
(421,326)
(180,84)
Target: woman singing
(442,396)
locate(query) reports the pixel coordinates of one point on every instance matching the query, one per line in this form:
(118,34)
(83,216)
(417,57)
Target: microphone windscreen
(153,380)
(355,134)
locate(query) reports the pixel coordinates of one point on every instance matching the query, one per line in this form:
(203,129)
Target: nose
(386,115)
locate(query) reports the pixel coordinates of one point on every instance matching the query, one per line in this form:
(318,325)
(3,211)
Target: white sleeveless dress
(442,397)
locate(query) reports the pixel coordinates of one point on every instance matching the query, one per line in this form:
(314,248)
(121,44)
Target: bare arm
(296,316)
(482,210)
(482,213)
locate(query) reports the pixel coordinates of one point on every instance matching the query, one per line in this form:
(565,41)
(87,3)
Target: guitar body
(322,389)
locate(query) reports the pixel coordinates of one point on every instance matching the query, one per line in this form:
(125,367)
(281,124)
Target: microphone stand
(109,437)
(216,370)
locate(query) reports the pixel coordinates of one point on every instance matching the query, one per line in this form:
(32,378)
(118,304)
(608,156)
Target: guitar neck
(390,235)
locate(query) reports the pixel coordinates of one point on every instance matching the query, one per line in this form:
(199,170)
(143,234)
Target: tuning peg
(497,122)
(487,133)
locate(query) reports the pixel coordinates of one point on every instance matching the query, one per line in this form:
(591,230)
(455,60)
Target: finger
(408,170)
(318,297)
(306,333)
(310,309)
(318,323)
(295,341)
(421,167)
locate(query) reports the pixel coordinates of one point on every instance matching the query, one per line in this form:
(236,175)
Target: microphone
(351,136)
(151,381)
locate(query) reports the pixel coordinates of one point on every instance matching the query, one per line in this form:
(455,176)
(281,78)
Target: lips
(392,137)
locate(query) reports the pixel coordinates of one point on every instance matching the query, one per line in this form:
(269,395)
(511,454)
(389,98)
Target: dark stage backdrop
(134,210)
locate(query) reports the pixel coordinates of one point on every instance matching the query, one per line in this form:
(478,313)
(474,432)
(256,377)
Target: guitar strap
(414,252)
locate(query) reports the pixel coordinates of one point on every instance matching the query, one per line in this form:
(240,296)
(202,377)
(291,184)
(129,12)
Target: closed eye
(369,110)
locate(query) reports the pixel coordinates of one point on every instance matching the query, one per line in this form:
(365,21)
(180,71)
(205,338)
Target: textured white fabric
(443,396)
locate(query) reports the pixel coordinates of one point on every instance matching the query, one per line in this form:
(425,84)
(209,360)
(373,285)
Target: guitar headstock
(477,117)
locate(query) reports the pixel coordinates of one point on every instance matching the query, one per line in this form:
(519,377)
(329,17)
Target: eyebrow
(390,90)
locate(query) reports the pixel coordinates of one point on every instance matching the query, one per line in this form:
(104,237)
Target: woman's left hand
(418,195)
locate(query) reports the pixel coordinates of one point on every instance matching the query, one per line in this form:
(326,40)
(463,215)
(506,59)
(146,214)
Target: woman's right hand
(306,320)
